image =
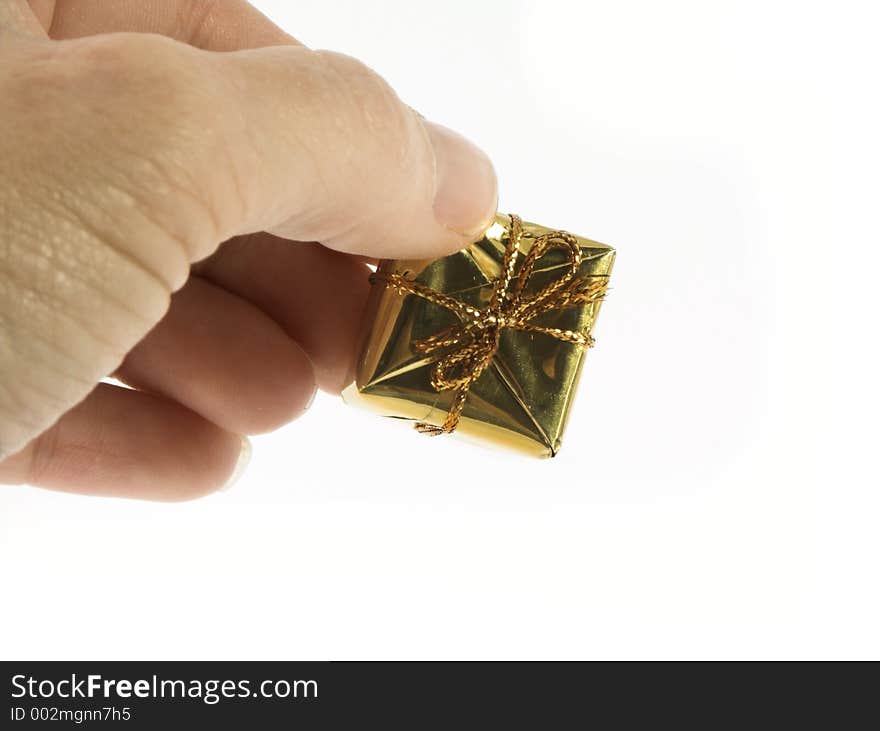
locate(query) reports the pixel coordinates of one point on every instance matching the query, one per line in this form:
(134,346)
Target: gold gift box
(522,397)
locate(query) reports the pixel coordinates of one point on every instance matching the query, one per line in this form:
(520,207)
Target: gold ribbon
(462,352)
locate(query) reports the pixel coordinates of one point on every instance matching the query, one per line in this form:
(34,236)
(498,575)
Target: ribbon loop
(462,352)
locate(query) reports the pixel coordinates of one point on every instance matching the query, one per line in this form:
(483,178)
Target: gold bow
(462,352)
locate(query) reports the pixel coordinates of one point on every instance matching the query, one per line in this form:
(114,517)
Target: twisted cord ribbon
(463,351)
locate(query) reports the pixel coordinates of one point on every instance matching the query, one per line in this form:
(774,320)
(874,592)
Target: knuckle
(113,137)
(107,56)
(160,92)
(121,86)
(378,134)
(374,106)
(198,19)
(147,81)
(116,76)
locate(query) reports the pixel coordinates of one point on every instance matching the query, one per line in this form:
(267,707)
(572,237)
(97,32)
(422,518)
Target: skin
(161,165)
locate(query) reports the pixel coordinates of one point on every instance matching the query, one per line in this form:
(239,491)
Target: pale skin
(162,163)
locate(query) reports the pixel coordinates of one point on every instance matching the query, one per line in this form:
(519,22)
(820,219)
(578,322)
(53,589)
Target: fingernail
(244,457)
(466,192)
(311,399)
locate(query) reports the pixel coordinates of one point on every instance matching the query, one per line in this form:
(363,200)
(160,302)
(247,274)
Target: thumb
(310,145)
(341,160)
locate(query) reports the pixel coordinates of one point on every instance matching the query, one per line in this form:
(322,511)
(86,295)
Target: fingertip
(222,357)
(124,443)
(460,205)
(241,464)
(342,161)
(213,460)
(465,184)
(315,295)
(286,392)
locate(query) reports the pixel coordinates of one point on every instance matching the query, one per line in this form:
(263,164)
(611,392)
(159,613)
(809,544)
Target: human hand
(137,136)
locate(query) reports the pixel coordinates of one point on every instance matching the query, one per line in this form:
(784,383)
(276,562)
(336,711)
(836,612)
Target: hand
(125,158)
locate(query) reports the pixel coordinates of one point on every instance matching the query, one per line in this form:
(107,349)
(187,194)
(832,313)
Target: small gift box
(488,342)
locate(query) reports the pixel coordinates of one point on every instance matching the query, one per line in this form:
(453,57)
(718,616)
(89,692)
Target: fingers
(124,443)
(223,358)
(214,25)
(127,157)
(316,295)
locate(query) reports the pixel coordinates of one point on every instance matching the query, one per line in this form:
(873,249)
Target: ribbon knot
(461,353)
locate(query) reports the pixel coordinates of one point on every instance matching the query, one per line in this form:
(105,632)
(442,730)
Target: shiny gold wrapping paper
(523,398)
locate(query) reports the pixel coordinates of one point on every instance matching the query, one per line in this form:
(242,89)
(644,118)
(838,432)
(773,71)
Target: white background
(716,496)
